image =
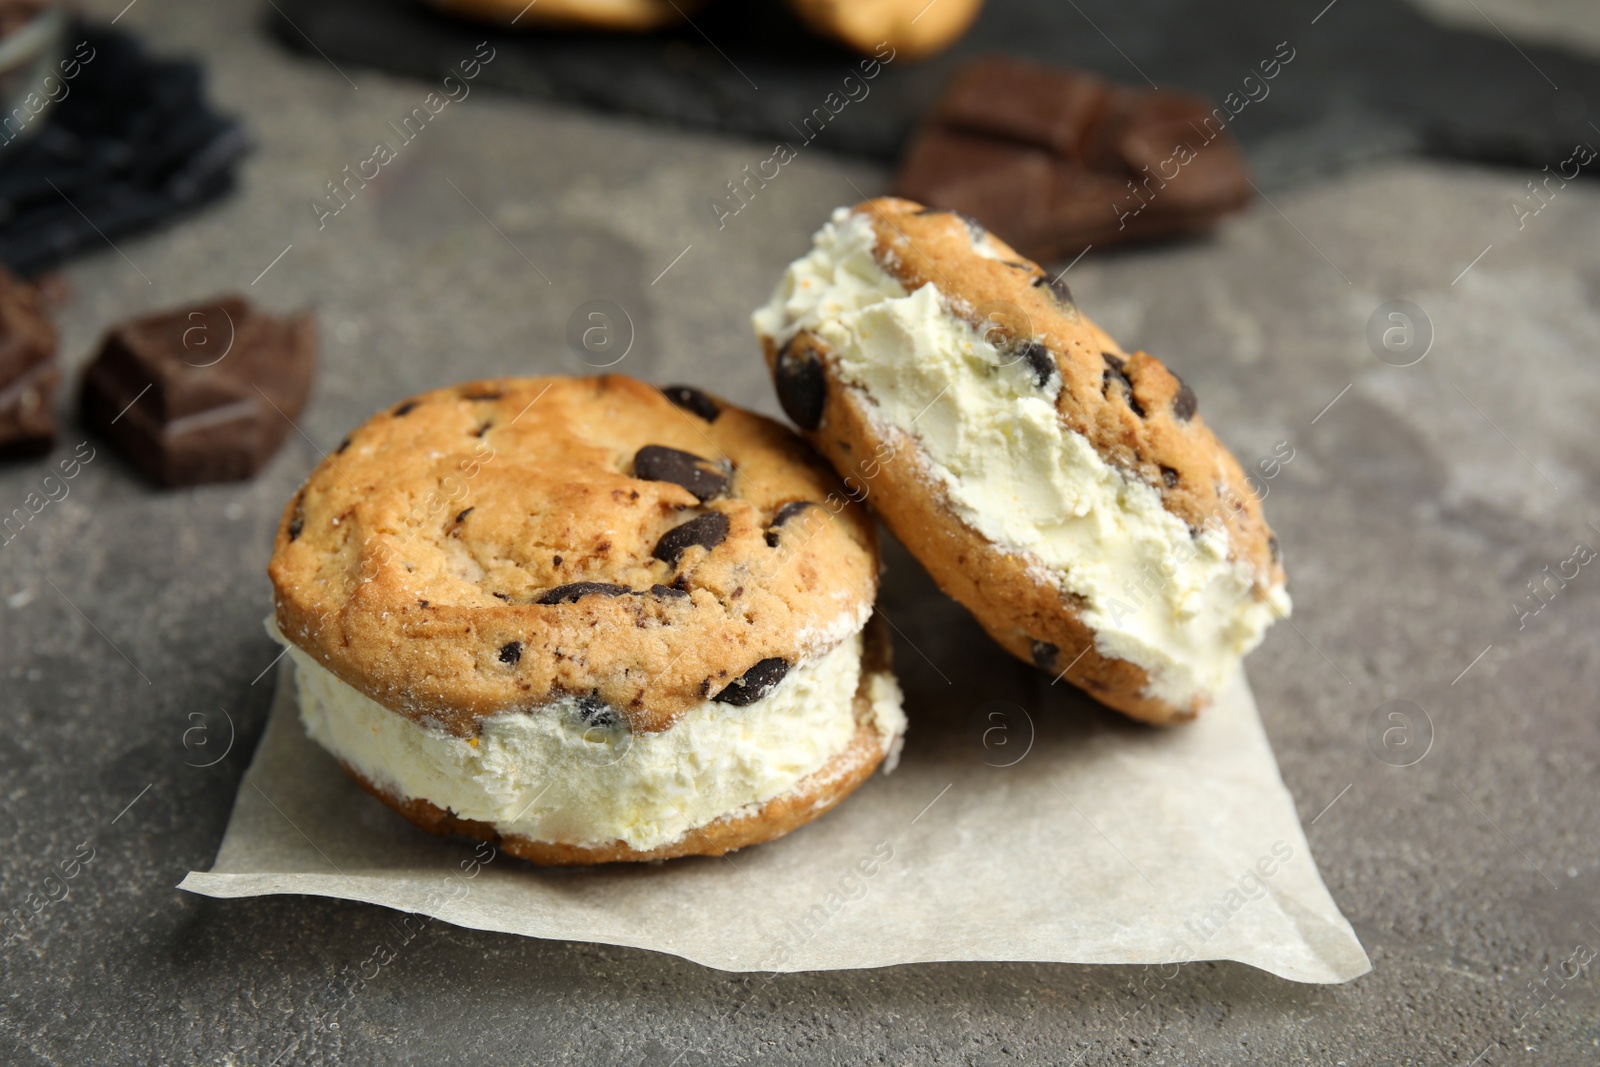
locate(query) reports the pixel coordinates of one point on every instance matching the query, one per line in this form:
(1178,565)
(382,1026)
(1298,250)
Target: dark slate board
(1369,78)
(133,145)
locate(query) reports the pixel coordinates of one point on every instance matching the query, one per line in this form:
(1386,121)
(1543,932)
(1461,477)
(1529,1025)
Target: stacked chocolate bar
(1056,160)
(28,373)
(204,393)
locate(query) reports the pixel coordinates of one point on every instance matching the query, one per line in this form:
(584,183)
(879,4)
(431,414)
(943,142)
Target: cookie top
(1139,416)
(502,543)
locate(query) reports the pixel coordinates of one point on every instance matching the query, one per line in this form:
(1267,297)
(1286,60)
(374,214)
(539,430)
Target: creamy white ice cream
(551,773)
(1174,605)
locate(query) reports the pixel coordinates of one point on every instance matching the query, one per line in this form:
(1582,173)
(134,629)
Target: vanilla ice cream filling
(563,772)
(1173,604)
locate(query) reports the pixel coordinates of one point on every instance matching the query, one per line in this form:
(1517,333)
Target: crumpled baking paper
(1024,822)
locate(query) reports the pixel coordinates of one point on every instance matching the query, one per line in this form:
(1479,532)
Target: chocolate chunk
(658,463)
(405,408)
(1045,655)
(1185,403)
(783,515)
(1114,373)
(202,393)
(342,446)
(28,373)
(502,596)
(693,400)
(1040,361)
(596,714)
(1170,476)
(801,384)
(754,683)
(975,228)
(707,531)
(667,592)
(1043,156)
(1058,289)
(567,594)
(510,652)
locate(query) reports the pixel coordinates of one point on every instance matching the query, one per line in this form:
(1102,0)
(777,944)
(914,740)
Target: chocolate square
(1055,160)
(202,393)
(28,374)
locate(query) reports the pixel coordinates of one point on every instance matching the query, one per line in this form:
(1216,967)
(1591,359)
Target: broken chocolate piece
(801,385)
(691,399)
(1045,655)
(707,531)
(667,592)
(567,594)
(1054,160)
(510,652)
(754,683)
(28,373)
(658,463)
(203,393)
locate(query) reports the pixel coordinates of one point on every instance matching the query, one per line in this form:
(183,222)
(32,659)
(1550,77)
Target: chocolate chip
(297,521)
(503,596)
(1169,476)
(1185,403)
(754,683)
(405,408)
(691,399)
(1045,655)
(422,603)
(707,531)
(658,463)
(567,594)
(802,387)
(556,561)
(596,714)
(667,592)
(464,512)
(1113,373)
(1058,289)
(1274,548)
(784,514)
(342,446)
(510,652)
(1040,361)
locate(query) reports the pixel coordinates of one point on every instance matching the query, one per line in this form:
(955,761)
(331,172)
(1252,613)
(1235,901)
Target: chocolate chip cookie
(1066,491)
(593,619)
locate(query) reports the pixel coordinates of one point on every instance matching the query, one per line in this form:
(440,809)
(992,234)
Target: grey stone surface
(1415,510)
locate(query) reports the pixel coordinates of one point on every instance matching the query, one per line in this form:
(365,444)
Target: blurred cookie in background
(913,29)
(636,16)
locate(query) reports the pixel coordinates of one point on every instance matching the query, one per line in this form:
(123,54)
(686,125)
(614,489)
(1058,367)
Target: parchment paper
(1024,823)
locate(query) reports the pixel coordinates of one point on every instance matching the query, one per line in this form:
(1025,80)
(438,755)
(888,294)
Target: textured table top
(1418,504)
